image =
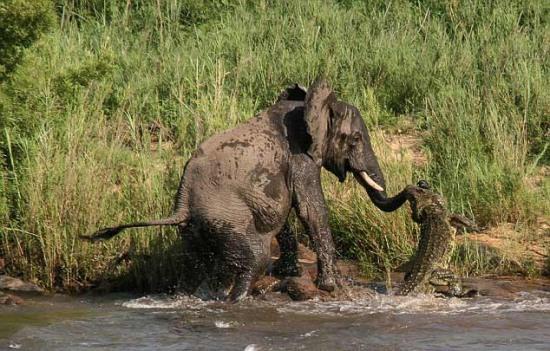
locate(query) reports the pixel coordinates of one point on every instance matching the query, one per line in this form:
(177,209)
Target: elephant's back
(244,152)
(242,170)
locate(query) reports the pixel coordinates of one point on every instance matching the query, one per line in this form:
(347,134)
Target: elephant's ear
(317,115)
(294,92)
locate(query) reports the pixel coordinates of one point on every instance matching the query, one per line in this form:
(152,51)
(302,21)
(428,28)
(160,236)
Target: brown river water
(362,322)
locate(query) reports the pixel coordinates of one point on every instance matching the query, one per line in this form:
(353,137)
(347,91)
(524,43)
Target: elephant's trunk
(380,199)
(371,178)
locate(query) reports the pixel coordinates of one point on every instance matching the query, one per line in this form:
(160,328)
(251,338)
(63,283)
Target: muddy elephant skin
(239,186)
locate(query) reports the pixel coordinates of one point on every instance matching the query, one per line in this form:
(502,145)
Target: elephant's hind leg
(229,281)
(247,259)
(243,273)
(220,280)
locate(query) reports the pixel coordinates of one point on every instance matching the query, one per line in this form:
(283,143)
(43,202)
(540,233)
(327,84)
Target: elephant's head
(341,143)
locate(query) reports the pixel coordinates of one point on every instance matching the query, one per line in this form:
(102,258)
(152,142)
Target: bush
(22,24)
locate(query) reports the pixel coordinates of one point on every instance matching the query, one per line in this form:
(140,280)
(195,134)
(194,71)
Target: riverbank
(354,283)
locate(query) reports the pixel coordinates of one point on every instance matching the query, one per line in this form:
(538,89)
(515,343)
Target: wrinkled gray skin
(239,186)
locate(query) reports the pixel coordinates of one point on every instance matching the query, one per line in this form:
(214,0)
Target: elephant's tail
(180,217)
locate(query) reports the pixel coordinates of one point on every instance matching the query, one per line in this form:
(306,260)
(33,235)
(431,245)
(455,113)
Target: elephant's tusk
(370,182)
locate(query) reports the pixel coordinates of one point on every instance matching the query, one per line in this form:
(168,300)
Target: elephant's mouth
(366,181)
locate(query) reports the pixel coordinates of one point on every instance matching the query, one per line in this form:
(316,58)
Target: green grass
(102,111)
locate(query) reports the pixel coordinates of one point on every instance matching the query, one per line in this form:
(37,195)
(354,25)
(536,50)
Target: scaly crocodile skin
(429,272)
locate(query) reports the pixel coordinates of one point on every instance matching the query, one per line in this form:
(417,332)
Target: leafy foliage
(22,24)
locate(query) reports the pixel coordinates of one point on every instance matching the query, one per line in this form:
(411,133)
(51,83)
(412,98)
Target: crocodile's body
(429,271)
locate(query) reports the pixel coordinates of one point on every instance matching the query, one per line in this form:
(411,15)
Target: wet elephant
(239,186)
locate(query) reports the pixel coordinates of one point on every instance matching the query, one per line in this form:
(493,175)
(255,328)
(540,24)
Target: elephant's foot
(287,266)
(240,289)
(326,283)
(327,275)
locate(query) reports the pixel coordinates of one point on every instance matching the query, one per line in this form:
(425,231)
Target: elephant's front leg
(309,202)
(287,264)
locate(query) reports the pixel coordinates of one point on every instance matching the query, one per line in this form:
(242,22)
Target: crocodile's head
(423,202)
(445,282)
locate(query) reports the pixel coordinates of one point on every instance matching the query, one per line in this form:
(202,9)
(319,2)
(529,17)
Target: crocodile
(429,271)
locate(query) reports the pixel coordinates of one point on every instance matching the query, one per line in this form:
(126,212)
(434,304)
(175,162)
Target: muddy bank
(11,288)
(9,299)
(353,285)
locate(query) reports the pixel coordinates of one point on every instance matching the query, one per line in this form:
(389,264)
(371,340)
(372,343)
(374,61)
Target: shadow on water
(158,267)
(40,312)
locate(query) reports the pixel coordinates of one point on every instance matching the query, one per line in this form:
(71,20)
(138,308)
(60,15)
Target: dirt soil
(514,245)
(407,146)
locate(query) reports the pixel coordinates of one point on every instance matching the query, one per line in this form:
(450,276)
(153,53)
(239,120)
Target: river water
(379,322)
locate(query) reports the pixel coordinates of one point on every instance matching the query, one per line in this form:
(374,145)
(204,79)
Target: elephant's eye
(355,138)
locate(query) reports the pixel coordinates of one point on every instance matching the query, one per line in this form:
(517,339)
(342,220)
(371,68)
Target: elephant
(239,186)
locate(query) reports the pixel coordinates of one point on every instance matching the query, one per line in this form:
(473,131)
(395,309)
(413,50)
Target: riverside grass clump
(100,113)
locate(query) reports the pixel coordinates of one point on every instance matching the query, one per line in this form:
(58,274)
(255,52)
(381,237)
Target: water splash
(225,325)
(309,334)
(172,302)
(367,304)
(424,304)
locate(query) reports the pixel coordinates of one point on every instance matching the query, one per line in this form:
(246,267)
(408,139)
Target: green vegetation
(98,116)
(22,23)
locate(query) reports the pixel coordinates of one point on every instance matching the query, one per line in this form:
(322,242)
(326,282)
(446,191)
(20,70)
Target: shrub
(22,24)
